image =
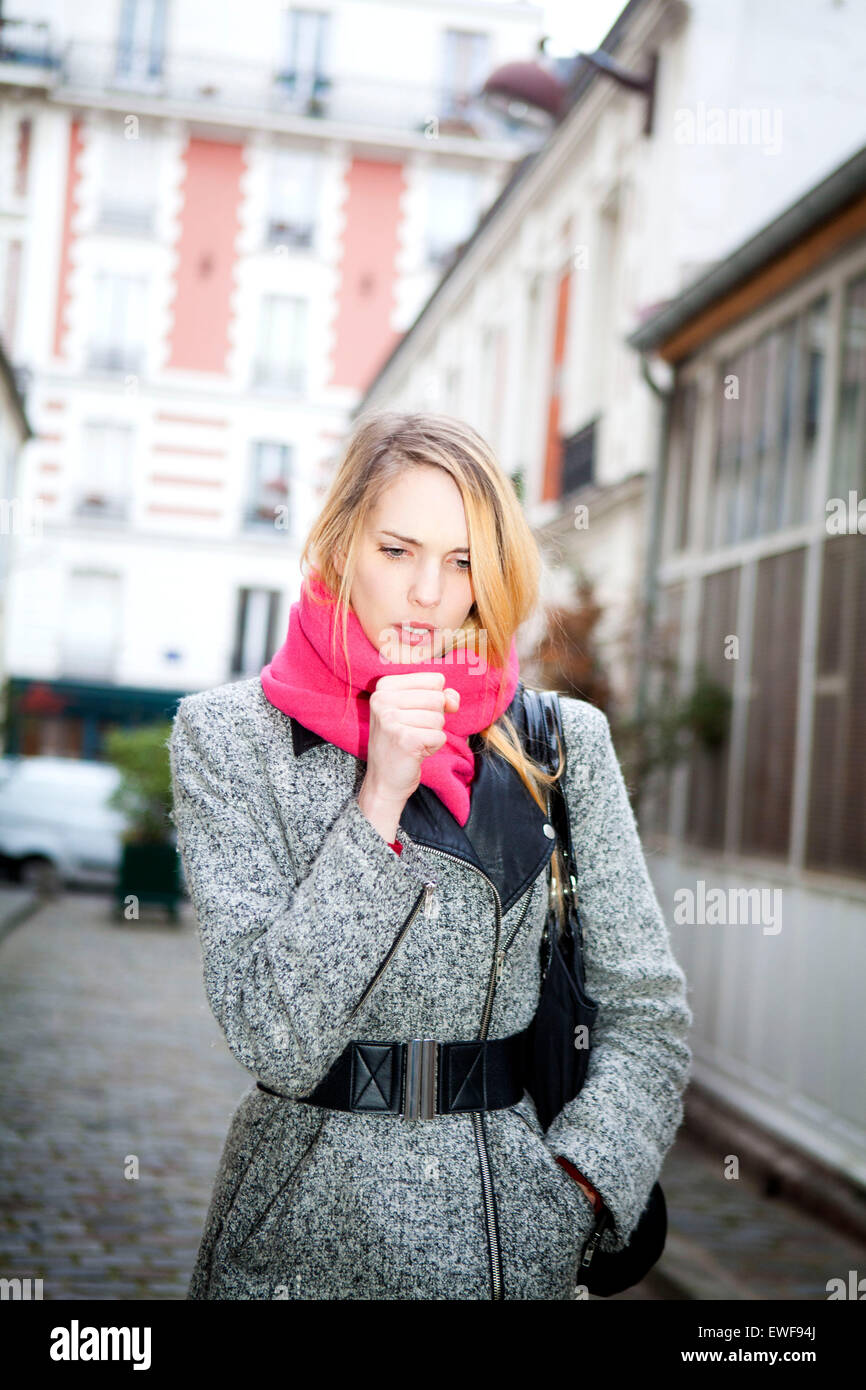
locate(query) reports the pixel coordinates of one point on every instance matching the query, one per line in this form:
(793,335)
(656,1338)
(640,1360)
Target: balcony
(27,55)
(272,376)
(115,216)
(201,84)
(115,359)
(298,235)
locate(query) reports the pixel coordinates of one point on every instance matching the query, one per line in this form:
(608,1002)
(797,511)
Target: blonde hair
(506,563)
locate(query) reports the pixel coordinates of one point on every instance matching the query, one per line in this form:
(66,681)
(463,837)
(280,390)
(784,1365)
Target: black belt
(422,1078)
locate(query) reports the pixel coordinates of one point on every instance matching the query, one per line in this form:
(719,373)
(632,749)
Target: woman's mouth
(414,635)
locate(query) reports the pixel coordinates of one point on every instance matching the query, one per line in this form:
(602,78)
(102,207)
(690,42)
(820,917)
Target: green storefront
(70,718)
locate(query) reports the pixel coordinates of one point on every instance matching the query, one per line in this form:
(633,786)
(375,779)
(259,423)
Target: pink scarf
(301,681)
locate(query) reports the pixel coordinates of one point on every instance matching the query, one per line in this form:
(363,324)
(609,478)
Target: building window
(453,206)
(118,323)
(293,198)
(129,170)
(141,39)
(303,75)
(849,452)
(91,630)
(663,691)
(268,500)
(772,705)
(255,630)
(811,355)
(282,346)
(836,837)
(708,766)
(105,471)
(770,399)
(578,459)
(681,464)
(466,65)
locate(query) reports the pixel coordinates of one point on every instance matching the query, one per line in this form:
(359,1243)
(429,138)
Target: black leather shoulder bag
(559,1038)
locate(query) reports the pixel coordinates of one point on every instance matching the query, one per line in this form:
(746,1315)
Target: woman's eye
(394,552)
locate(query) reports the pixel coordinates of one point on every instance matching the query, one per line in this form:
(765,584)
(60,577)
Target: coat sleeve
(619,1127)
(285,962)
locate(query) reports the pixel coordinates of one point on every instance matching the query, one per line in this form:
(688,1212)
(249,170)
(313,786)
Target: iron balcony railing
(218,82)
(27,44)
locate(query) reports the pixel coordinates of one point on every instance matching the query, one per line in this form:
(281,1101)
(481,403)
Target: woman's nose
(426,591)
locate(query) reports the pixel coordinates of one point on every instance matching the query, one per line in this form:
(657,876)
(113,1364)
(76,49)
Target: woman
(367,850)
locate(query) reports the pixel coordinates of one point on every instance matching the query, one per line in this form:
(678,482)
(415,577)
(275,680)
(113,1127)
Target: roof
(843,187)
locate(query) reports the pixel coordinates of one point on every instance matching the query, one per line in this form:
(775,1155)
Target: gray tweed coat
(314,932)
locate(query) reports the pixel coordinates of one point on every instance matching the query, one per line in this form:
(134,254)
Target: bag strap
(544,739)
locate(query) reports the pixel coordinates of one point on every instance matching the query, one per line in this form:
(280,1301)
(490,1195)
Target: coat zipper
(595,1235)
(493,1246)
(507,947)
(424,896)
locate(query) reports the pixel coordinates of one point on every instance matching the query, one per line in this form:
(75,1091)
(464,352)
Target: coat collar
(507,836)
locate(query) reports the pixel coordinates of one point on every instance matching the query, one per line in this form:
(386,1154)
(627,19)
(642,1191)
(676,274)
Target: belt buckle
(422,1057)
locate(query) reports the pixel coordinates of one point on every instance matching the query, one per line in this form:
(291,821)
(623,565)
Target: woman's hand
(407,720)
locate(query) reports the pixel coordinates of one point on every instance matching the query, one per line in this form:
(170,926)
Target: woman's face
(413,567)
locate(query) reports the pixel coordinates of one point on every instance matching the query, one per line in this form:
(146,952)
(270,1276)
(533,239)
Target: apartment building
(701,122)
(216,221)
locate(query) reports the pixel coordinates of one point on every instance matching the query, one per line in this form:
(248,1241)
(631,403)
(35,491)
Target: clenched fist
(407,722)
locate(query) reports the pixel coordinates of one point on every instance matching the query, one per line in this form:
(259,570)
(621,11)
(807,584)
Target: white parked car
(55,824)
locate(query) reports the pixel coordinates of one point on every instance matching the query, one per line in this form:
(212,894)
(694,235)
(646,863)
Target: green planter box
(150,873)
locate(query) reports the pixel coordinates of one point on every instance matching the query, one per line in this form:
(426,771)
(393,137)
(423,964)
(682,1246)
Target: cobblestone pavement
(727,1240)
(109,1056)
(107,1049)
(15,904)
